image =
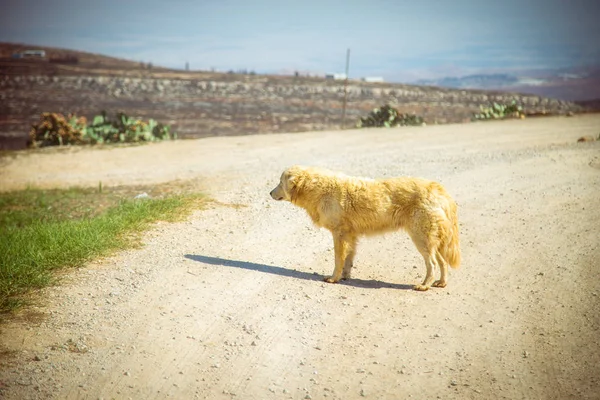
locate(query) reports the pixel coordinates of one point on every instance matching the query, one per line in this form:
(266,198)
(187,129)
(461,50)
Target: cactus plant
(55,129)
(388,116)
(499,111)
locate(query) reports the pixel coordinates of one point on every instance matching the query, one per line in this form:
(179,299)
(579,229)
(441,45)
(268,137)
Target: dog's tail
(451,246)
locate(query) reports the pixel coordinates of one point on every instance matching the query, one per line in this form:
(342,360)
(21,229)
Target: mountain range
(575,84)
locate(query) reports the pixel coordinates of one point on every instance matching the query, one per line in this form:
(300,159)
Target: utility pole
(345,89)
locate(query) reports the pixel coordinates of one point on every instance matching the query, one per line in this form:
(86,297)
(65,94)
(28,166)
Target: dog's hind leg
(349,262)
(430,263)
(443,271)
(342,247)
(423,232)
(427,250)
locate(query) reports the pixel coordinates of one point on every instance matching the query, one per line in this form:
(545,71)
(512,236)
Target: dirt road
(230,303)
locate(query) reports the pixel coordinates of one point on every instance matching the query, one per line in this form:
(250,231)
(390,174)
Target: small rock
(586,139)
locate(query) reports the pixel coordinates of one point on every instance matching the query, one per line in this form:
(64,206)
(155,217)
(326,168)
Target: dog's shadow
(292,273)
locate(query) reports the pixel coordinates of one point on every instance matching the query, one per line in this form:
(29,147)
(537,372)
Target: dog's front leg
(340,248)
(349,262)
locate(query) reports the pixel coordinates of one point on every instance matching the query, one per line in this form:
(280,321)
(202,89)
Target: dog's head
(287,184)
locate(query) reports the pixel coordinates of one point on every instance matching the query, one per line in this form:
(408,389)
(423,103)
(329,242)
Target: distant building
(336,77)
(30,54)
(373,79)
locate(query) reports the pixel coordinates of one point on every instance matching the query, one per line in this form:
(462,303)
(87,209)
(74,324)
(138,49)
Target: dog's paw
(331,279)
(439,284)
(421,288)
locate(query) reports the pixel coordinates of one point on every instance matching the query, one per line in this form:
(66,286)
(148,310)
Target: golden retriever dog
(350,207)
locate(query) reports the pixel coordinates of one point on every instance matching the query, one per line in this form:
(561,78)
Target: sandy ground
(230,303)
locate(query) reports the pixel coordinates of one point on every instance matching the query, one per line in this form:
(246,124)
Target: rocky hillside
(200,104)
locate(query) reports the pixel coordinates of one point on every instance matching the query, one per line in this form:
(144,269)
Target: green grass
(42,231)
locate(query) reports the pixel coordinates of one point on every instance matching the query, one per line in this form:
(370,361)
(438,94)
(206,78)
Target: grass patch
(45,230)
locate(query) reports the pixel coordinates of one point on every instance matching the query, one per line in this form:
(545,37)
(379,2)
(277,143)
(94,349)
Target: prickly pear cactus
(388,116)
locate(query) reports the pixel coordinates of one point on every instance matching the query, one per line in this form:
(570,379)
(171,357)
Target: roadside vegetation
(499,111)
(55,129)
(43,231)
(387,116)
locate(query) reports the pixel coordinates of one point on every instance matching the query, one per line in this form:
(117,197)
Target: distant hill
(574,84)
(63,61)
(204,103)
(8,49)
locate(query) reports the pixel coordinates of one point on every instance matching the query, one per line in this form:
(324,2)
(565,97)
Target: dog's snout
(276,193)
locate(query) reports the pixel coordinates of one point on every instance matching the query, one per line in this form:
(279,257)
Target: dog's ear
(291,178)
(288,178)
(292,186)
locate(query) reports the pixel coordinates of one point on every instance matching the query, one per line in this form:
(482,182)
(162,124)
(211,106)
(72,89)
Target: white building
(336,77)
(373,79)
(34,54)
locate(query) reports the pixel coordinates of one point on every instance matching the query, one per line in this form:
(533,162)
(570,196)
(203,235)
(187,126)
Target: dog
(351,207)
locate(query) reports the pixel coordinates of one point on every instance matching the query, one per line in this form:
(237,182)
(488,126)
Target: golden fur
(351,207)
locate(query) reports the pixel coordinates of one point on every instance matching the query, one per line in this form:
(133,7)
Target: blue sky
(399,40)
